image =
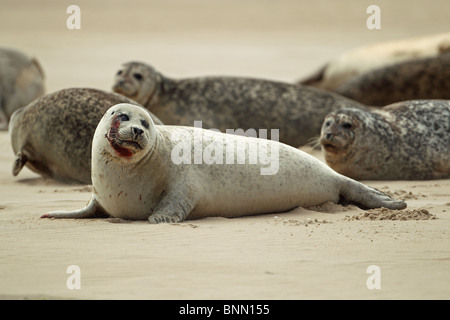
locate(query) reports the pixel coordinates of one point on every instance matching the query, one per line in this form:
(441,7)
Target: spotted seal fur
(404,141)
(52,136)
(231,102)
(420,79)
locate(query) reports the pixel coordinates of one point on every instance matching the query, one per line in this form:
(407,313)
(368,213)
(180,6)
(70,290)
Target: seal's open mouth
(124,148)
(329,146)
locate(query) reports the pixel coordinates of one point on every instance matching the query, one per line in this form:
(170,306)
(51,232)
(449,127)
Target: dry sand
(319,253)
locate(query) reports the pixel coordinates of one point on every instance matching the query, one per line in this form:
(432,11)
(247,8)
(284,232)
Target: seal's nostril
(137,131)
(329,135)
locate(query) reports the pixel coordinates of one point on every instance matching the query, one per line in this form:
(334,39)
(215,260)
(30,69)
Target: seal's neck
(164,88)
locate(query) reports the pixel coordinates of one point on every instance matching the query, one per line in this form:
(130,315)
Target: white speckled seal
(134,176)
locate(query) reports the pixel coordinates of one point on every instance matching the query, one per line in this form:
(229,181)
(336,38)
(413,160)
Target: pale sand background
(265,257)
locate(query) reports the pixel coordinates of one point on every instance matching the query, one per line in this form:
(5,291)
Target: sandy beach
(315,253)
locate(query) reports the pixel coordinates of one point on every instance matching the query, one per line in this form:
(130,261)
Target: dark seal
(231,103)
(52,136)
(420,79)
(403,141)
(21,81)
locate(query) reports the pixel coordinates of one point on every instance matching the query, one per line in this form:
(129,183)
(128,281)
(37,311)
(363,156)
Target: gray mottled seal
(137,174)
(420,79)
(231,103)
(52,136)
(408,141)
(375,56)
(21,81)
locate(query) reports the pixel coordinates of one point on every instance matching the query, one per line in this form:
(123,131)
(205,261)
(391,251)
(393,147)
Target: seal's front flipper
(174,207)
(91,210)
(164,218)
(19,163)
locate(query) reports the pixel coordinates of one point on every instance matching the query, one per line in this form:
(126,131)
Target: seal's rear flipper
(19,163)
(314,79)
(38,66)
(91,210)
(365,197)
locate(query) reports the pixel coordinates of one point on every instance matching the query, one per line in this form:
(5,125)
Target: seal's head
(339,131)
(137,81)
(342,138)
(353,139)
(125,132)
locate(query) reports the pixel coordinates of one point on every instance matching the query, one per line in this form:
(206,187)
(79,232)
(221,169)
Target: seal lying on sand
(369,58)
(52,136)
(141,171)
(407,141)
(21,81)
(413,80)
(231,103)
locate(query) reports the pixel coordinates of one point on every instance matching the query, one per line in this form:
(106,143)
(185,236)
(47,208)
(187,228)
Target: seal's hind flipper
(19,163)
(314,79)
(91,210)
(38,66)
(354,192)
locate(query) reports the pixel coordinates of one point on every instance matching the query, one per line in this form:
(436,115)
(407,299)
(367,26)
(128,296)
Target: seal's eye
(137,76)
(119,72)
(347,125)
(124,117)
(145,124)
(327,124)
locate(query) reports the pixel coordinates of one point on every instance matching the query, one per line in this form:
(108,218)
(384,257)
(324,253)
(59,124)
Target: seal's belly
(126,200)
(126,206)
(252,202)
(238,190)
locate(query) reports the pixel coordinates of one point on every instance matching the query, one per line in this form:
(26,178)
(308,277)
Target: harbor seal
(230,103)
(21,81)
(137,174)
(375,56)
(52,136)
(420,79)
(404,141)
